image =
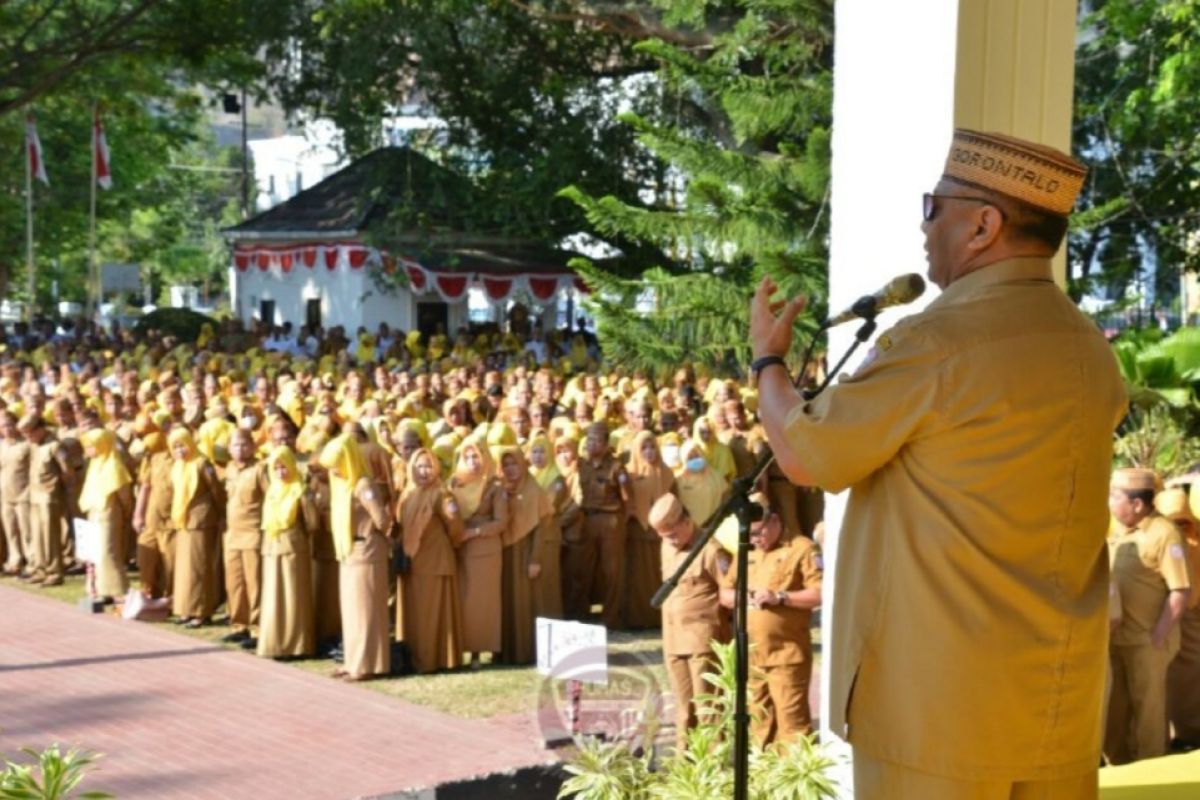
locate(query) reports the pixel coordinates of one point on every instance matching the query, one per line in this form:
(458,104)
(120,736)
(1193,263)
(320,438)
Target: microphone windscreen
(908,288)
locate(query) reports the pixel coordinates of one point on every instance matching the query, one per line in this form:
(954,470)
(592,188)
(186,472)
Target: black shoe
(236,636)
(181,620)
(249,643)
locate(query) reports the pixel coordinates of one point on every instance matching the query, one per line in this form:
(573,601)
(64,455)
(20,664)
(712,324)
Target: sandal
(339,673)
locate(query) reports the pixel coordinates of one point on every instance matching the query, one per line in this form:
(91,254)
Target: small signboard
(87,540)
(572,650)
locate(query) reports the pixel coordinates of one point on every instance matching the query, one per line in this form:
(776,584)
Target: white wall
(893,111)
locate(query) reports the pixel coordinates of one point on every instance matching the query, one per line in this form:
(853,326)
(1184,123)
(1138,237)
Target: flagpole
(93,293)
(29,227)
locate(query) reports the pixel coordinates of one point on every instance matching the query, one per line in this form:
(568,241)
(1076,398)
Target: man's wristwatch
(781,598)
(759,364)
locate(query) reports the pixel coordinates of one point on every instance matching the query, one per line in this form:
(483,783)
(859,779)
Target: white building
(309,260)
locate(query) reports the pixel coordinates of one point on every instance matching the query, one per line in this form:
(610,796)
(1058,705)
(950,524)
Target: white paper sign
(572,650)
(87,540)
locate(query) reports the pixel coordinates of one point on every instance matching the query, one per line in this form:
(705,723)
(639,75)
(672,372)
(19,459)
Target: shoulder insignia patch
(884,342)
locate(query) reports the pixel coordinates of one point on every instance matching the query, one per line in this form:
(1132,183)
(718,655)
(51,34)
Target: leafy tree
(749,149)
(1137,95)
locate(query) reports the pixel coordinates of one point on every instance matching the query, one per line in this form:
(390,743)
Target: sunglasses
(929,208)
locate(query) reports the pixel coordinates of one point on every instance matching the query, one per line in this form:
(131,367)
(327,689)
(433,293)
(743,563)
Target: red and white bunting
(452,287)
(33,147)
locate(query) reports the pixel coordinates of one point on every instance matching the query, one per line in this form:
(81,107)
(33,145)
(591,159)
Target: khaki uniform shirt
(155,472)
(1148,563)
(600,485)
(692,615)
(970,610)
(244,492)
(14,472)
(45,472)
(780,634)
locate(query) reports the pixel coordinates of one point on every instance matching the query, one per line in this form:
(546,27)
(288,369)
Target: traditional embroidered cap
(665,512)
(1035,174)
(1173,504)
(1135,480)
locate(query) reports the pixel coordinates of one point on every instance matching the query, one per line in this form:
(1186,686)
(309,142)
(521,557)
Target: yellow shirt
(970,601)
(1148,562)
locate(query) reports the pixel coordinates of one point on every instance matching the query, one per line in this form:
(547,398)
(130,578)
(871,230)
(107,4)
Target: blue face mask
(695,464)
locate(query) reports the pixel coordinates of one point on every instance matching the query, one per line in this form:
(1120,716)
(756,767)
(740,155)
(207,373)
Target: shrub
(795,770)
(53,776)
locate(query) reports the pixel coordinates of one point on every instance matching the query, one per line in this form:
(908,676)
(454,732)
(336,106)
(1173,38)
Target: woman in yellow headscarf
(649,479)
(430,618)
(358,519)
(287,625)
(483,505)
(529,542)
(107,500)
(700,487)
(547,590)
(718,455)
(196,501)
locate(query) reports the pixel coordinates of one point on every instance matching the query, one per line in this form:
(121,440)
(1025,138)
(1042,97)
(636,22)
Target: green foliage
(182,323)
(1137,95)
(1157,438)
(748,147)
(797,770)
(53,775)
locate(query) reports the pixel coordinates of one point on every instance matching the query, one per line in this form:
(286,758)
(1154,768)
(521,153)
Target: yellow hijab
(419,503)
(185,475)
(281,505)
(718,455)
(700,492)
(547,475)
(469,494)
(343,455)
(648,482)
(106,472)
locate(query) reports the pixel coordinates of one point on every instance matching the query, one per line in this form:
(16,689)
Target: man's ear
(989,223)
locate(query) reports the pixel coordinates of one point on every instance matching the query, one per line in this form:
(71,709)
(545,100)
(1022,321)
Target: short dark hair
(1145,495)
(1028,223)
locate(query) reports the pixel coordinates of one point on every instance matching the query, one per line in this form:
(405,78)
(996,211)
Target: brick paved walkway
(177,717)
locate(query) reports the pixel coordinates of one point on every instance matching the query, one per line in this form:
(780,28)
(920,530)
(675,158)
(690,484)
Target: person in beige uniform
(14,491)
(596,566)
(1183,676)
(784,587)
(692,616)
(970,614)
(359,520)
(1150,571)
(47,496)
(246,482)
(152,514)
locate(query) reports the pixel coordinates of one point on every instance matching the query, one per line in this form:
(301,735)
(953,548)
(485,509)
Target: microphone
(896,292)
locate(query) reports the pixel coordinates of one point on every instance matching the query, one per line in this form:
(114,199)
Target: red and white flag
(33,146)
(103,174)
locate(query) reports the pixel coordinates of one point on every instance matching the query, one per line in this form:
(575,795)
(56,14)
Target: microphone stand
(739,503)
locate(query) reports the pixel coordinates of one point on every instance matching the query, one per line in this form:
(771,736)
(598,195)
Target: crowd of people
(336,496)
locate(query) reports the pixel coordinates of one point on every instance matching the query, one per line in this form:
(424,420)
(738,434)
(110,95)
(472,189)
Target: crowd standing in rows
(337,495)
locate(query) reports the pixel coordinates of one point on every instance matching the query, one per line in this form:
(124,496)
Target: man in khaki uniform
(784,588)
(596,565)
(970,612)
(1150,571)
(692,615)
(246,483)
(1183,676)
(47,499)
(14,489)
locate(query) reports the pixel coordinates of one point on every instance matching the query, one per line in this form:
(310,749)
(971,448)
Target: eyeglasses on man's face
(929,207)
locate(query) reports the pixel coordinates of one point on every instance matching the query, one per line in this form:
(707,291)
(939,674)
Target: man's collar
(1009,270)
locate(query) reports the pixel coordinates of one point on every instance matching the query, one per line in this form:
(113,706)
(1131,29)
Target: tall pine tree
(748,141)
